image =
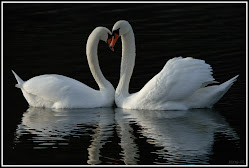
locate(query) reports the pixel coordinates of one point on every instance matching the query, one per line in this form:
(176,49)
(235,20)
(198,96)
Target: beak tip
(112,48)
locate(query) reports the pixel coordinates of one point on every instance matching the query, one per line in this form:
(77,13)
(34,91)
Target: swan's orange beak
(113,41)
(109,41)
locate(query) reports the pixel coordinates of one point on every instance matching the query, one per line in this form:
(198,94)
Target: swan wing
(56,88)
(179,79)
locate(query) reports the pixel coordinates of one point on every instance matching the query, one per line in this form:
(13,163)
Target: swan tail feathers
(19,80)
(223,88)
(229,83)
(210,94)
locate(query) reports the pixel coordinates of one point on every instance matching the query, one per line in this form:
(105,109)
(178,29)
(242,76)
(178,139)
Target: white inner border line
(3,2)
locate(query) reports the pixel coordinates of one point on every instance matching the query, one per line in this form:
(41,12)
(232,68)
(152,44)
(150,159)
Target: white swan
(180,85)
(57,91)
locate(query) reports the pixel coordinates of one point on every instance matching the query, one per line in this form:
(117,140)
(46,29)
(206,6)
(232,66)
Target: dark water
(119,136)
(50,38)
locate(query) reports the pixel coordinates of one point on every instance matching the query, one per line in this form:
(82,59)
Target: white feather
(181,84)
(57,91)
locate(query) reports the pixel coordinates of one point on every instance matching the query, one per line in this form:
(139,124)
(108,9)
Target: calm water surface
(120,136)
(50,39)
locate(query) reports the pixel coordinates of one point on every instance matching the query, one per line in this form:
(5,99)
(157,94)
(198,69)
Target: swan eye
(116,36)
(109,39)
(116,32)
(109,36)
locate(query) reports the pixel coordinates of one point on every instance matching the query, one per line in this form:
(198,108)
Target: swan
(57,91)
(180,85)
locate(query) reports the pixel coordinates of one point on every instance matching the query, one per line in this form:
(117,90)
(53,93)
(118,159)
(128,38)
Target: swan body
(57,91)
(180,85)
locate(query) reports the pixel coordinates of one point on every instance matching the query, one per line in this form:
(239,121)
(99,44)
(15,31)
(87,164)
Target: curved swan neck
(127,62)
(93,62)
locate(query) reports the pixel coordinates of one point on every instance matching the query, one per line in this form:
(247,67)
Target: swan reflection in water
(56,125)
(182,137)
(177,137)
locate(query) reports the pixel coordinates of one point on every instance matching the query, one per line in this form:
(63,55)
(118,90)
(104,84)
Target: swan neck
(127,62)
(93,62)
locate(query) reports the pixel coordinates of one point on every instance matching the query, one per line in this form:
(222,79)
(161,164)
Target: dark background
(50,39)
